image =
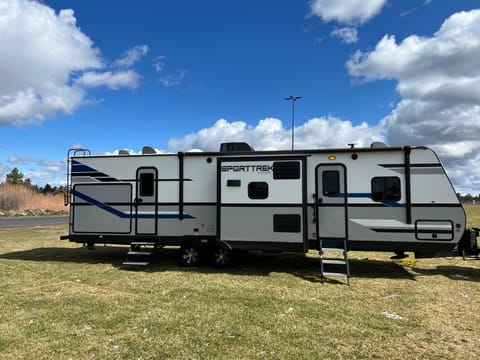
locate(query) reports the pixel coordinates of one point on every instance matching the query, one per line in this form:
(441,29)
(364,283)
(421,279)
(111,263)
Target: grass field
(59,300)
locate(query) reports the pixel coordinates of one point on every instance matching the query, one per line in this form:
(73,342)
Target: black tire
(221,257)
(191,255)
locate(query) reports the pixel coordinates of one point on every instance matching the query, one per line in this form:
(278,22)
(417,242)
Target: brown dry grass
(473,215)
(19,197)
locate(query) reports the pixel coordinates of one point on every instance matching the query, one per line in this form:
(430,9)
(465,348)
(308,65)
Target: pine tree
(15,177)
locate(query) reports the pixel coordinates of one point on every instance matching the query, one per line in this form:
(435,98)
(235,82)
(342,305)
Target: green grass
(59,300)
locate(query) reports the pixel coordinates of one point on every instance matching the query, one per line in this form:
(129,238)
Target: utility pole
(293,99)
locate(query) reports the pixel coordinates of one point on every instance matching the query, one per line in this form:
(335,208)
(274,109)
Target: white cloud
(348,35)
(40,171)
(168,77)
(270,134)
(132,56)
(173,78)
(346,11)
(113,80)
(159,63)
(49,164)
(438,78)
(48,72)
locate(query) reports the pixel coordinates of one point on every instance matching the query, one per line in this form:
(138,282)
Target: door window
(147,184)
(331,183)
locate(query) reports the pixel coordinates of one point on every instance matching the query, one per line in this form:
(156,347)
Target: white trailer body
(382,199)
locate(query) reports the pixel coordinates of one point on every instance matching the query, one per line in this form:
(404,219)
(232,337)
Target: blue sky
(110,75)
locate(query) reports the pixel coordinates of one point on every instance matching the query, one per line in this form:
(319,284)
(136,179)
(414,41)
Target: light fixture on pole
(293,99)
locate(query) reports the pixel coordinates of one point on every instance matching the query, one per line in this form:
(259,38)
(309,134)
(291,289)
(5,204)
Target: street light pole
(293,99)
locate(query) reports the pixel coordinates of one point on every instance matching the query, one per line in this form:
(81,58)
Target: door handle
(137,201)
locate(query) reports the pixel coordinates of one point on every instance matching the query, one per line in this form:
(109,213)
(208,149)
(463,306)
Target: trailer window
(258,190)
(283,170)
(386,189)
(331,182)
(147,184)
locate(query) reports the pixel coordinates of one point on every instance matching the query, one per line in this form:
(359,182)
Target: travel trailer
(212,204)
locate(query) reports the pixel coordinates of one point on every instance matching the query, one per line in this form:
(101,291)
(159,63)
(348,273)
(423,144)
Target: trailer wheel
(191,255)
(221,257)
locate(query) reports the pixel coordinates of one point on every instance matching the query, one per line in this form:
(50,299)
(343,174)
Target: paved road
(29,221)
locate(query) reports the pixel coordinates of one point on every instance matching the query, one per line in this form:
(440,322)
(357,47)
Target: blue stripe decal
(360,195)
(79,167)
(392,204)
(101,205)
(123,215)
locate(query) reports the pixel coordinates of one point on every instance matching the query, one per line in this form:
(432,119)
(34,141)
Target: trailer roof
(270,152)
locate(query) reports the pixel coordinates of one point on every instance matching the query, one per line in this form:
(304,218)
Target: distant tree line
(16,177)
(469,199)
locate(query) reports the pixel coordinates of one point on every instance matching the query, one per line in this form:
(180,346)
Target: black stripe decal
(411,231)
(411,165)
(380,205)
(272,205)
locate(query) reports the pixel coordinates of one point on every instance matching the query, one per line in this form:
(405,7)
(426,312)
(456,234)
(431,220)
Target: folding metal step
(333,249)
(334,261)
(335,274)
(343,262)
(138,256)
(140,253)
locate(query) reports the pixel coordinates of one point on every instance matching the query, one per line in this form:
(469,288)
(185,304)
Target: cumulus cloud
(270,134)
(347,11)
(348,35)
(438,78)
(350,12)
(54,66)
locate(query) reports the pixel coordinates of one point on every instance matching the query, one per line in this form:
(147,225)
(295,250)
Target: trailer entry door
(331,204)
(146,201)
(262,203)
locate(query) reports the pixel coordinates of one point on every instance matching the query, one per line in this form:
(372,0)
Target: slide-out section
(261,203)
